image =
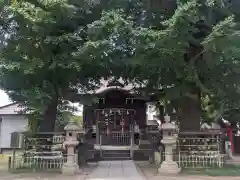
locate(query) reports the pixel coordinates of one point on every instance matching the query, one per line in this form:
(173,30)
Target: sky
(4,99)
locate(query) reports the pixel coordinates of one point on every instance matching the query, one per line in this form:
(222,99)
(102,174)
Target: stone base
(70,169)
(169,168)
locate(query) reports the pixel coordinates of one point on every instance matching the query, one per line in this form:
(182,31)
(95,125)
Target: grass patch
(228,170)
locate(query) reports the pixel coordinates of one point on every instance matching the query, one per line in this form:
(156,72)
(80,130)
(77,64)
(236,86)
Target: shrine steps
(115,155)
(140,152)
(111,147)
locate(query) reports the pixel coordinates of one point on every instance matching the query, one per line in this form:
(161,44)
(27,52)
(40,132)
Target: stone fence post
(70,166)
(169,140)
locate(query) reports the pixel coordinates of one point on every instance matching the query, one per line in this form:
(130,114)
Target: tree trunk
(190,114)
(47,124)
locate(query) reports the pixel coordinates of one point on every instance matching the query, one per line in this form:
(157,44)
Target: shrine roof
(106,86)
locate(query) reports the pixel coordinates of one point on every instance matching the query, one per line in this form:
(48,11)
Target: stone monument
(70,167)
(169,140)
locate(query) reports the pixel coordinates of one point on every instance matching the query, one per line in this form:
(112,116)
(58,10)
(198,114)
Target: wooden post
(132,140)
(132,135)
(97,128)
(14,158)
(97,132)
(9,163)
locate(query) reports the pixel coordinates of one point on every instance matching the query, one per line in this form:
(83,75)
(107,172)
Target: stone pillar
(70,167)
(169,140)
(132,143)
(97,121)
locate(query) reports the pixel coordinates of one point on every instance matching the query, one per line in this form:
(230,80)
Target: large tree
(181,51)
(182,55)
(38,66)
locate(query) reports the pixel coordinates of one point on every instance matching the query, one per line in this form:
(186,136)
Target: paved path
(116,170)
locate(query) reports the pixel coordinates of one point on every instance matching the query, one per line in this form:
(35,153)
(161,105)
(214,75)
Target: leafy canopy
(38,64)
(190,52)
(187,48)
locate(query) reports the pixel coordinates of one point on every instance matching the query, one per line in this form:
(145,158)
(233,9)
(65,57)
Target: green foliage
(77,119)
(34,122)
(38,65)
(193,51)
(173,50)
(63,117)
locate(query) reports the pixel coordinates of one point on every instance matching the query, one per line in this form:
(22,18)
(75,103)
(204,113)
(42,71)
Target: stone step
(116,155)
(116,151)
(115,158)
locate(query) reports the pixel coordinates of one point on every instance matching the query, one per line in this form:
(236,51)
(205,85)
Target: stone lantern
(169,140)
(70,167)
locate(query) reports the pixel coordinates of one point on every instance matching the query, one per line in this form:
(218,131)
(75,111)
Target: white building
(10,121)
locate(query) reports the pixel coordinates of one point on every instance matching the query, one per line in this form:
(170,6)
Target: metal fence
(205,160)
(40,154)
(187,160)
(29,162)
(115,138)
(31,142)
(199,150)
(196,150)
(122,138)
